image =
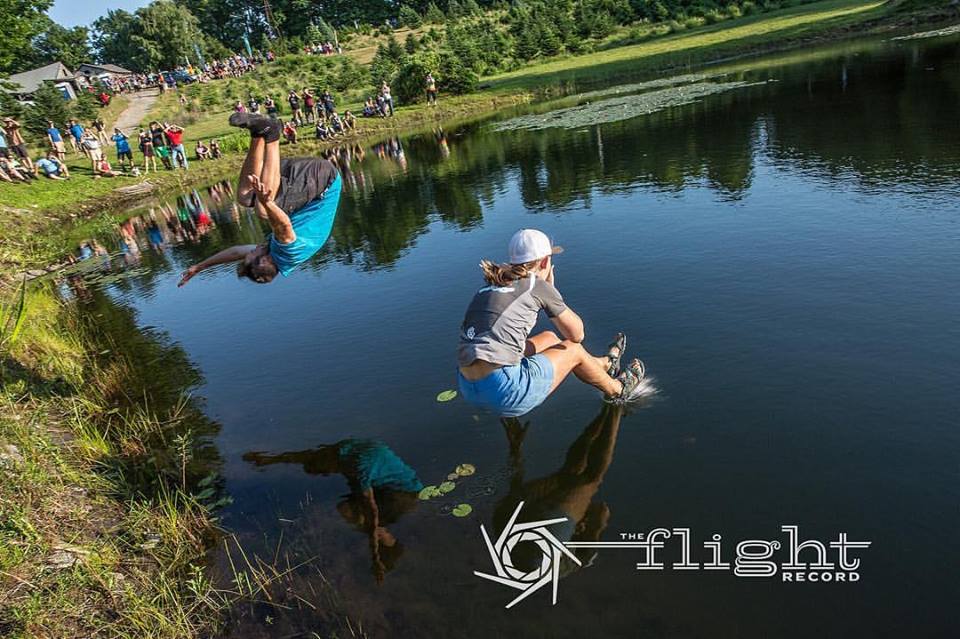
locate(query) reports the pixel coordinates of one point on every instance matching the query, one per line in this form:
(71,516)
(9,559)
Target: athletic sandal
(260,126)
(620,343)
(633,386)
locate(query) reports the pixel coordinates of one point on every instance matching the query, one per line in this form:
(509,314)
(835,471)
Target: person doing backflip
(297,196)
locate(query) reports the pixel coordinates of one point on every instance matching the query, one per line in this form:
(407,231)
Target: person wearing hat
(505,369)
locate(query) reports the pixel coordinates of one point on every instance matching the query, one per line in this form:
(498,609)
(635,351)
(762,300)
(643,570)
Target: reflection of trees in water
(150,374)
(865,118)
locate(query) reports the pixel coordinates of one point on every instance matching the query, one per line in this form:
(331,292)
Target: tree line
(498,33)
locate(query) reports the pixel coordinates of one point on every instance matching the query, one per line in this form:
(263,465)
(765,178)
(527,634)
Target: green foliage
(20,22)
(160,35)
(411,44)
(12,317)
(48,104)
(434,15)
(409,17)
(454,77)
(408,84)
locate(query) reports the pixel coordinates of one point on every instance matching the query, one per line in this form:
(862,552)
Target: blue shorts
(511,391)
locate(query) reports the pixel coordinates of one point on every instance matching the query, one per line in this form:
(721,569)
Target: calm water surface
(785,259)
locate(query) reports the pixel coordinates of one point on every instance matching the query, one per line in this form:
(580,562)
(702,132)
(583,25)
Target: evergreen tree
(48,104)
(434,15)
(409,17)
(411,44)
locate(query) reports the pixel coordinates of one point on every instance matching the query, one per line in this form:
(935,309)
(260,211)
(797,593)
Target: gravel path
(140,104)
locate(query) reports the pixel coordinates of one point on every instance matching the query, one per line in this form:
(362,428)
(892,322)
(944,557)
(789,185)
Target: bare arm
(570,325)
(232,254)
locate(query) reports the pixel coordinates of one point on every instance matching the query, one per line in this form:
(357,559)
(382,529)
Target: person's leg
(252,165)
(570,357)
(183,155)
(270,172)
(541,342)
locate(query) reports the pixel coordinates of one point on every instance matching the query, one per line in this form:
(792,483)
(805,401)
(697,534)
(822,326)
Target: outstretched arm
(232,254)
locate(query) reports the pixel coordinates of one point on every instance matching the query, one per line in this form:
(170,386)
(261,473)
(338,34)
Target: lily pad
(429,492)
(462,510)
(446,487)
(465,470)
(446,395)
(453,476)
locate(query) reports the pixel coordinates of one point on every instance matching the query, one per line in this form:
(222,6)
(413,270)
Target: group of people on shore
(305,108)
(161,140)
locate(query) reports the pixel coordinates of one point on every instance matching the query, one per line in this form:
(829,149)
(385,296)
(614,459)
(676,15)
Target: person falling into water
(382,489)
(297,196)
(504,369)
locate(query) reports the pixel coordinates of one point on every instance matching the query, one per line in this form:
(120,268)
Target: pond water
(783,255)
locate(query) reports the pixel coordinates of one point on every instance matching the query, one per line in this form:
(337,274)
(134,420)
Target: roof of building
(112,68)
(30,81)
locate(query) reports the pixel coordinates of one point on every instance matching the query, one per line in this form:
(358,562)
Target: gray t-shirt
(500,318)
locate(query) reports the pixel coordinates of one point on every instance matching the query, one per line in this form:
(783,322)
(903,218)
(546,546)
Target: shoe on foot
(260,126)
(615,351)
(632,379)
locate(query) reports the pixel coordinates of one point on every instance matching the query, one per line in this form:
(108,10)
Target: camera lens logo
(551,548)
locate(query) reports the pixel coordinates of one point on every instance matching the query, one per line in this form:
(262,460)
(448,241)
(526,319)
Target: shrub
(409,17)
(454,77)
(733,11)
(408,84)
(714,16)
(384,29)
(434,15)
(749,8)
(675,26)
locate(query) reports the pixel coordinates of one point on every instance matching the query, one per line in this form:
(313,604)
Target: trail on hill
(138,108)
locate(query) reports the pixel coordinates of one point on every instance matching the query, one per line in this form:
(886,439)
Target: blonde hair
(503,274)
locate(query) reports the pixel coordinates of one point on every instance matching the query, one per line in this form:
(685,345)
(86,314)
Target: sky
(72,13)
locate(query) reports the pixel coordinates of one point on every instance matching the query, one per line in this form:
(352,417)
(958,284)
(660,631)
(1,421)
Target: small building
(102,72)
(26,83)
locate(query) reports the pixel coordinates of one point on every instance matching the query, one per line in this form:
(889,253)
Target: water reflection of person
(382,489)
(569,492)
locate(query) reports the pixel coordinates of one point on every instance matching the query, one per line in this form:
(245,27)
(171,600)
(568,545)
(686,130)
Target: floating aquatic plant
(619,108)
(446,395)
(461,510)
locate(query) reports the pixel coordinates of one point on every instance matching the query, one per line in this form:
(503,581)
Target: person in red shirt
(174,135)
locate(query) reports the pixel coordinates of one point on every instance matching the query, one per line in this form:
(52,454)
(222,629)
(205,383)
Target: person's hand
(264,195)
(187,275)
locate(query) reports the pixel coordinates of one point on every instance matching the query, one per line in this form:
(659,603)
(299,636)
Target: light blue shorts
(511,391)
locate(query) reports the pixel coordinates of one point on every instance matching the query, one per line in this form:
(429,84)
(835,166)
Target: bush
(749,8)
(454,77)
(434,15)
(409,83)
(409,17)
(694,22)
(733,11)
(714,16)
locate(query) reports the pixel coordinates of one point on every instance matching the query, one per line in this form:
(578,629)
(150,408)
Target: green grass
(697,46)
(62,495)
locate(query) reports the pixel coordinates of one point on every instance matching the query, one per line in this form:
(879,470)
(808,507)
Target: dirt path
(140,104)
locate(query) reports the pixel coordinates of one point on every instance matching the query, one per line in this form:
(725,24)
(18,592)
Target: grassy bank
(103,520)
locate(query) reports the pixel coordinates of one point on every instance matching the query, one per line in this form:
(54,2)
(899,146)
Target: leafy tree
(409,17)
(159,35)
(20,21)
(56,44)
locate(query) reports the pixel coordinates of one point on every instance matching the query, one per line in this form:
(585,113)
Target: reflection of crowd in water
(192,215)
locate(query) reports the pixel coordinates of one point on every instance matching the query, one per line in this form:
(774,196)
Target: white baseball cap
(528,245)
